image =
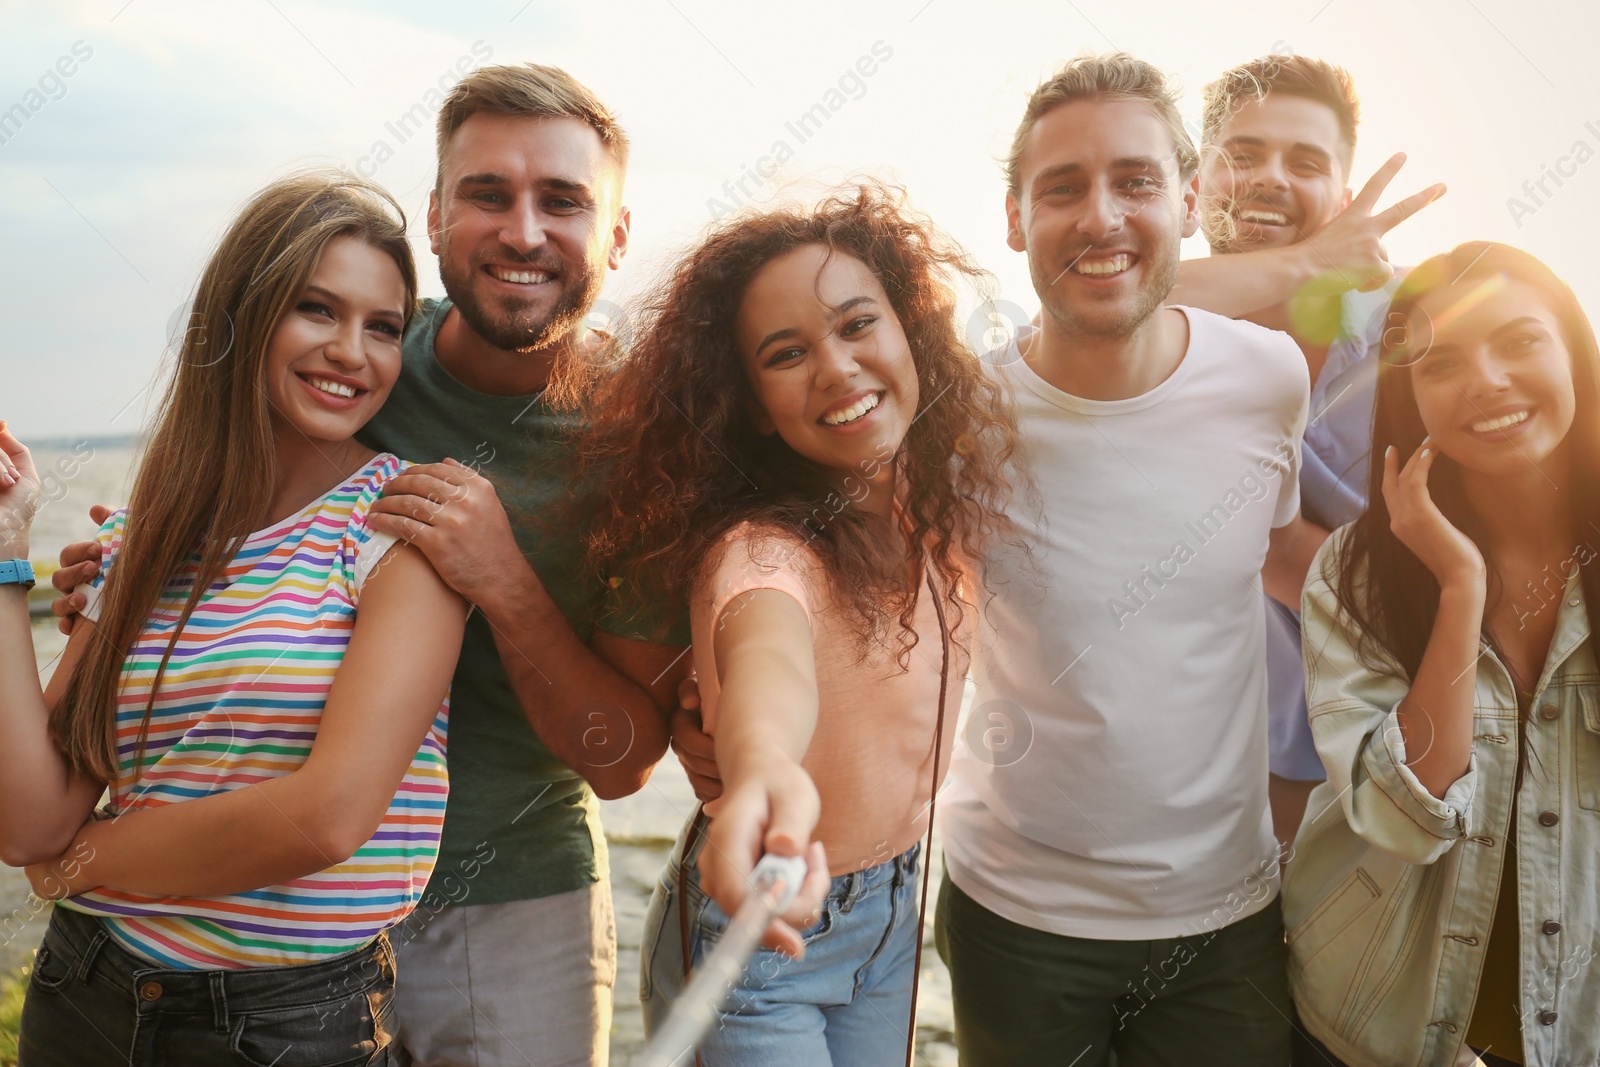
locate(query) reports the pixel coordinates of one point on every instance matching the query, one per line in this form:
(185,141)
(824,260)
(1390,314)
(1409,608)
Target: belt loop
(219,1002)
(92,954)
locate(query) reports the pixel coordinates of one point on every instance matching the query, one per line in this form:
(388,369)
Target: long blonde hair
(199,483)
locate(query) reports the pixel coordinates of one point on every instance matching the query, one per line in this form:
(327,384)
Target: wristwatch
(16,572)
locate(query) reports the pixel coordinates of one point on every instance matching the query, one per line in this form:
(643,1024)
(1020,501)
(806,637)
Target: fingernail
(1425,452)
(1387,452)
(1428,438)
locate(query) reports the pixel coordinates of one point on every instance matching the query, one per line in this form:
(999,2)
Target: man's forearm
(1242,282)
(1283,576)
(586,712)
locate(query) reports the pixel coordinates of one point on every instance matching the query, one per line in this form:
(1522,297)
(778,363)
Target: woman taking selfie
(802,448)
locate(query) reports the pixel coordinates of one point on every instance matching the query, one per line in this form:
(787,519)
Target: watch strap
(16,572)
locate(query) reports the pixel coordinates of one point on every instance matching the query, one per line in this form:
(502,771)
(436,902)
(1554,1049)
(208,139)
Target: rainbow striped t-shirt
(240,704)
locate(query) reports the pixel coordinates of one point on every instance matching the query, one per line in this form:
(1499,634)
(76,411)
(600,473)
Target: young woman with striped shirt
(265,705)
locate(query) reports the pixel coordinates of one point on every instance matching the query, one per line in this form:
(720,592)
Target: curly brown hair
(679,461)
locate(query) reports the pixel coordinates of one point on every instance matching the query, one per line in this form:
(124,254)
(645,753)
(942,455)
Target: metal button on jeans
(150,991)
(1551,927)
(1549,712)
(1547,1017)
(1548,818)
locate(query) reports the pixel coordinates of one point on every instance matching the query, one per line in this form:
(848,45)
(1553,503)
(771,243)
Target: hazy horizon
(117,178)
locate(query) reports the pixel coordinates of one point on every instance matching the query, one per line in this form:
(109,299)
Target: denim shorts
(846,1004)
(92,1002)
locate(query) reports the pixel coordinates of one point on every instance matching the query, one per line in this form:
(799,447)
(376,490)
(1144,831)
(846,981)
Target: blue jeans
(847,1004)
(90,1002)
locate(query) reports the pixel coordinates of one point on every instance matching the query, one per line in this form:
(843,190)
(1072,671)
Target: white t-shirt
(1111,781)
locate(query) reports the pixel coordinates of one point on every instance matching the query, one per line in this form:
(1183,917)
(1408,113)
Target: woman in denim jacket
(1443,893)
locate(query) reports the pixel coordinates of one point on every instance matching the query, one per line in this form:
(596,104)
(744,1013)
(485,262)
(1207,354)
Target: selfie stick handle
(775,881)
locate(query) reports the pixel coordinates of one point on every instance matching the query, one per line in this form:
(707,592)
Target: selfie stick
(775,882)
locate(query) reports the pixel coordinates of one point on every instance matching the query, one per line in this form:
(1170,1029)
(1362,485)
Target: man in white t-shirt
(1112,869)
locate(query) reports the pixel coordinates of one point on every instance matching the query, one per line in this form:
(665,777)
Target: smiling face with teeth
(335,352)
(526,220)
(1494,386)
(1276,175)
(827,360)
(1100,211)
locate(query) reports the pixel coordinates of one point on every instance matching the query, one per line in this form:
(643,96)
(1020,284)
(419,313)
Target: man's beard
(520,328)
(1162,277)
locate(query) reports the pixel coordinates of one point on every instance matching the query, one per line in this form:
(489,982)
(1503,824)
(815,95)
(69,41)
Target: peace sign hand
(1352,243)
(1419,524)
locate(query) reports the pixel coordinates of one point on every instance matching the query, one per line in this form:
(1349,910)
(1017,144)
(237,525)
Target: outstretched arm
(1240,283)
(1347,253)
(390,684)
(765,719)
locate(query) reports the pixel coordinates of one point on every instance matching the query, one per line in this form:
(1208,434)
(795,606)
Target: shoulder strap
(933,796)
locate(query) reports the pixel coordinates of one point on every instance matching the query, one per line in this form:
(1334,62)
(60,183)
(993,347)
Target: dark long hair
(675,446)
(1380,583)
(199,482)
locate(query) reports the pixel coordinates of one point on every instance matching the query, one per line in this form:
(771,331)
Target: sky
(145,124)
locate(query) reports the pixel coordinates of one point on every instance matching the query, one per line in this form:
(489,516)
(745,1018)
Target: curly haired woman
(801,446)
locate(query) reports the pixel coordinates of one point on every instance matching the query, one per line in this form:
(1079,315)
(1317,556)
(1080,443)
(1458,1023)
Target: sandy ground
(640,828)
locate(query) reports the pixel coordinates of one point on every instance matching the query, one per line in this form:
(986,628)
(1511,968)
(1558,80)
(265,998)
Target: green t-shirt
(520,824)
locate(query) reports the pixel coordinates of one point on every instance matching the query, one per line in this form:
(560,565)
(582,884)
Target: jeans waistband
(845,889)
(155,988)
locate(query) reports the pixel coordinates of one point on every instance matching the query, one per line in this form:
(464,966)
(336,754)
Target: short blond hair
(532,90)
(1113,76)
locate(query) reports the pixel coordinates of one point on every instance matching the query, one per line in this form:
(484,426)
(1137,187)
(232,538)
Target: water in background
(640,828)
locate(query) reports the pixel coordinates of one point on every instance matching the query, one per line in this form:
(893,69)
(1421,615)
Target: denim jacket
(1390,891)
